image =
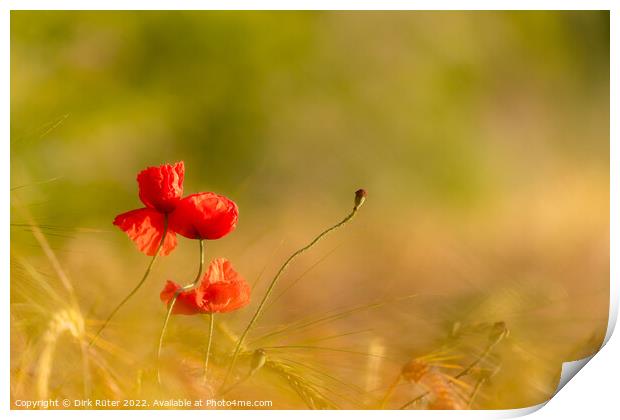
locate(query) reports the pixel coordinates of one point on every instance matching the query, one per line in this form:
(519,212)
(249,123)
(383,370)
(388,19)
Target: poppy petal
(204,216)
(220,270)
(145,228)
(225,297)
(222,288)
(185,304)
(161,187)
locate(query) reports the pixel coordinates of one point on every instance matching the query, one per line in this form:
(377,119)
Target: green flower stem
(358,202)
(204,376)
(135,289)
(174,301)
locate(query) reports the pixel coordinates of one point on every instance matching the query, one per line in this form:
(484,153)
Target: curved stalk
(173,302)
(360,196)
(135,289)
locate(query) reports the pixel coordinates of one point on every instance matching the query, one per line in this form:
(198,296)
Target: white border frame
(591,394)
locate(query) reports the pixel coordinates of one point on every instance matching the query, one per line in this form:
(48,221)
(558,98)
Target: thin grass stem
(294,282)
(174,301)
(87,387)
(333,349)
(389,392)
(359,199)
(320,372)
(137,287)
(474,393)
(312,322)
(206,368)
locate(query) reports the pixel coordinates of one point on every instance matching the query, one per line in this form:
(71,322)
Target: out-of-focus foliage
(482,138)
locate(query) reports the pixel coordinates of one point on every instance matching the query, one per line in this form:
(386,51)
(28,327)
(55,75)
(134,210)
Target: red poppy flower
(198,216)
(222,289)
(204,216)
(160,189)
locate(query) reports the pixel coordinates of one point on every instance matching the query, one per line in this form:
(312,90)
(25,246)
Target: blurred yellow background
(481,137)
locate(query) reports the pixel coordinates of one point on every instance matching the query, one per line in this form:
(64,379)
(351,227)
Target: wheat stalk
(310,395)
(65,320)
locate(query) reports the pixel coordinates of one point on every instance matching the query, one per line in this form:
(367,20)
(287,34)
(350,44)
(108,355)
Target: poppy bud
(360,197)
(498,331)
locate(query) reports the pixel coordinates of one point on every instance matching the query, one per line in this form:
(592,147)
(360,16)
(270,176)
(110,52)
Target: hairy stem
(206,368)
(174,301)
(274,281)
(135,289)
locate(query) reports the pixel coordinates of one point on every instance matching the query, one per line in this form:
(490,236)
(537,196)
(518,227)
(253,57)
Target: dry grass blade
(301,276)
(62,317)
(297,381)
(65,320)
(304,324)
(332,349)
(324,374)
(335,336)
(321,382)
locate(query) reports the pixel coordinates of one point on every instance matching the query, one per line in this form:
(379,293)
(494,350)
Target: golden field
(477,265)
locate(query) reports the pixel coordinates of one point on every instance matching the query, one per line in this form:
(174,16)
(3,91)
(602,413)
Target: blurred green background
(481,137)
